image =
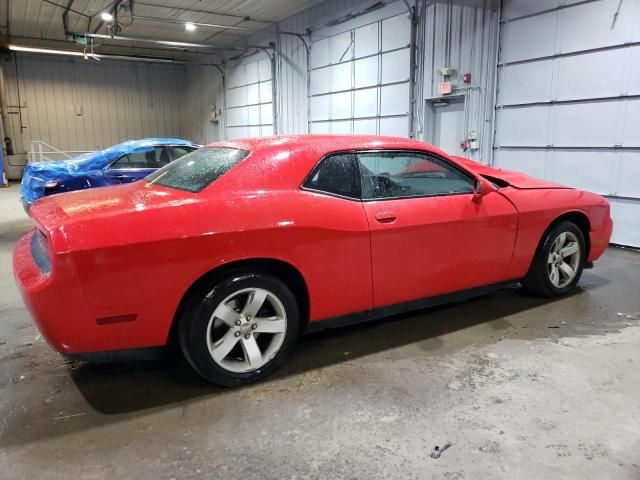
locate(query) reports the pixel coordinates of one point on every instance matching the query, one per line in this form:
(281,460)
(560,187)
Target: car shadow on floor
(130,387)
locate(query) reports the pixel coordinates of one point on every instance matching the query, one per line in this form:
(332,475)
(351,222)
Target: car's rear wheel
(558,262)
(241,329)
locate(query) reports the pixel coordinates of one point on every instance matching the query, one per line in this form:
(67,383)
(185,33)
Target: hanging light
(189,27)
(106,16)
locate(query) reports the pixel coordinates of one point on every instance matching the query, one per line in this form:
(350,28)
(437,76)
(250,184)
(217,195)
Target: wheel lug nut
(237,334)
(254,326)
(248,319)
(247,336)
(238,323)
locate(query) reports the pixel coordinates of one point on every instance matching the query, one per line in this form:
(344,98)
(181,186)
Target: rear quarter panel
(539,208)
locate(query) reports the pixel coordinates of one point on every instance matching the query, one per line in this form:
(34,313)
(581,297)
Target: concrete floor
(523,388)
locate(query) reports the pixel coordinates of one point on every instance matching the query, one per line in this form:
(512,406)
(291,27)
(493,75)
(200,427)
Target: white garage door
(248,101)
(359,79)
(569,99)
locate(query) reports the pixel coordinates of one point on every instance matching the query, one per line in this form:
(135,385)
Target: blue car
(122,163)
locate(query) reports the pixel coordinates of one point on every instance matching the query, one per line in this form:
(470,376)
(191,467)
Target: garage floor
(522,387)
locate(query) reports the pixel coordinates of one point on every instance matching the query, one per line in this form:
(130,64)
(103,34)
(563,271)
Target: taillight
(41,251)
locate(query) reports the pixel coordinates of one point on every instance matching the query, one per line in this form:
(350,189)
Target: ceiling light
(189,27)
(106,16)
(18,48)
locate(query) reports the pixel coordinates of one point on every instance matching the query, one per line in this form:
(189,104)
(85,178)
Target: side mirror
(480,188)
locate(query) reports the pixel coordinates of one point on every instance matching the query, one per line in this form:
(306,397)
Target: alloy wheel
(246,330)
(564,259)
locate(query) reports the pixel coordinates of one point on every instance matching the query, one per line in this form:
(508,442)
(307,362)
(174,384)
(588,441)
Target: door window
(180,151)
(408,174)
(337,175)
(148,157)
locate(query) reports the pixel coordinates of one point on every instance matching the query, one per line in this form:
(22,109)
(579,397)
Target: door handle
(386,217)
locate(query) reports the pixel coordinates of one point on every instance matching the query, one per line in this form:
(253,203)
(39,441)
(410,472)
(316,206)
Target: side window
(180,151)
(148,157)
(408,174)
(337,174)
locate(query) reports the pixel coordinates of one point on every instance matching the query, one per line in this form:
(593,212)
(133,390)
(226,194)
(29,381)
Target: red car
(238,247)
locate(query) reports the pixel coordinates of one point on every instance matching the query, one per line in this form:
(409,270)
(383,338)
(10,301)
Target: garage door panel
(366,103)
(265,92)
(629,176)
(626,221)
(341,105)
(526,126)
(575,169)
(394,99)
(397,126)
(253,131)
(526,82)
(253,93)
(321,127)
(264,70)
(341,77)
(320,53)
(252,72)
(237,132)
(320,107)
(266,130)
(366,72)
(341,47)
(253,115)
(365,127)
(395,66)
(590,25)
(266,113)
(590,75)
(396,32)
(237,97)
(631,134)
(594,124)
(238,116)
(520,8)
(237,77)
(634,77)
(531,162)
(529,38)
(321,80)
(366,40)
(341,127)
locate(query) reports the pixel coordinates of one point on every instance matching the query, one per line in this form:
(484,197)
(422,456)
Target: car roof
(324,143)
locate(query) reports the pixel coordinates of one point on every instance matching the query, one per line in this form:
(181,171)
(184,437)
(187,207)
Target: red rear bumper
(60,310)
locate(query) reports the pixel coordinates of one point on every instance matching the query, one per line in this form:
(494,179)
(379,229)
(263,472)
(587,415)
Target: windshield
(196,170)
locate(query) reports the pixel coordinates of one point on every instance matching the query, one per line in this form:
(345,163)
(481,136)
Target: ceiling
(40,22)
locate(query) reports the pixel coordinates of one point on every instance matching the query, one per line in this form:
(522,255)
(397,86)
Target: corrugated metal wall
(569,99)
(463,37)
(80,105)
(202,95)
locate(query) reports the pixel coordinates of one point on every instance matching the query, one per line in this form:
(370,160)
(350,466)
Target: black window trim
(383,150)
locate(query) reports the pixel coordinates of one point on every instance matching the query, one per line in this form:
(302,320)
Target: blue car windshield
(196,170)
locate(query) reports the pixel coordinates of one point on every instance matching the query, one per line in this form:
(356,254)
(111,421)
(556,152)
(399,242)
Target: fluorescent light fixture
(106,16)
(87,55)
(189,27)
(52,51)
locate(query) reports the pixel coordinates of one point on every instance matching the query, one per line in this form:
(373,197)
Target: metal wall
(87,105)
(463,37)
(202,102)
(569,99)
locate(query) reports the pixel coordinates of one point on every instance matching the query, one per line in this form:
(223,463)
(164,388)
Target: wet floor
(522,387)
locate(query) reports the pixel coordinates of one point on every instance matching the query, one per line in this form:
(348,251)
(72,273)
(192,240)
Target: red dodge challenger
(237,248)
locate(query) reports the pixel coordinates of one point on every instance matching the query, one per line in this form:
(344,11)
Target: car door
(136,164)
(428,235)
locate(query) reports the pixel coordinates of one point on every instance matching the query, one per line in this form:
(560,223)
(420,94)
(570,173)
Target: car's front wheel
(558,262)
(241,329)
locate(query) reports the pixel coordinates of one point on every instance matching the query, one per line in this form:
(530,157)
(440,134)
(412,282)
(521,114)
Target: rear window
(196,170)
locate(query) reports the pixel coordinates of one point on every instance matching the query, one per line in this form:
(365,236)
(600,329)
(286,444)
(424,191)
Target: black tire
(538,280)
(198,311)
